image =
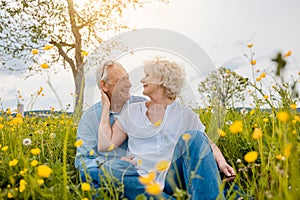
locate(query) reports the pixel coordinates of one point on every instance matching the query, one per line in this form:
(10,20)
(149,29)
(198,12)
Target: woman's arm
(109,137)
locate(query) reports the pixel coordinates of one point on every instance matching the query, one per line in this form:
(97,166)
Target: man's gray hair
(102,71)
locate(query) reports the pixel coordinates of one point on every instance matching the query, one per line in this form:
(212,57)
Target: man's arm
(107,135)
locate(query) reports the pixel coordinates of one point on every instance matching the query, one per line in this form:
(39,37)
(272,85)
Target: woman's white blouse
(151,144)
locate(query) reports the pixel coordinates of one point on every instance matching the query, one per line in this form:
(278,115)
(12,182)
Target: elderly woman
(155,127)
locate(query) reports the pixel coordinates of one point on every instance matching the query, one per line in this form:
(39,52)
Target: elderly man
(113,79)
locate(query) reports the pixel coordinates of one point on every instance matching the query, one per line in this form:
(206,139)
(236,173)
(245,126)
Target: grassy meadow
(37,153)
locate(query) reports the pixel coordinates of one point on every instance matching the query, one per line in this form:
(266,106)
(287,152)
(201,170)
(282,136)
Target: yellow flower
(84,53)
(8,111)
(85,198)
(92,152)
(258,79)
(266,96)
(153,189)
(287,150)
(294,132)
(249,45)
(293,106)
(17,121)
(35,51)
(283,116)
(40,181)
(13,162)
(253,62)
(157,123)
(44,171)
(44,66)
(236,127)
(111,147)
(263,75)
(1,118)
(35,151)
(139,162)
(34,163)
(85,187)
(78,143)
(221,132)
(251,156)
(279,157)
(5,148)
(186,137)
(22,185)
(9,195)
(265,119)
(287,54)
(163,165)
(147,179)
(48,47)
(257,133)
(1,126)
(227,71)
(23,172)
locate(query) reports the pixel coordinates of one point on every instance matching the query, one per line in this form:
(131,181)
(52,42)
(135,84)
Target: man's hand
(105,100)
(129,159)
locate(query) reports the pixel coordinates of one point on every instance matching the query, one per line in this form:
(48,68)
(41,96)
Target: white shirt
(151,144)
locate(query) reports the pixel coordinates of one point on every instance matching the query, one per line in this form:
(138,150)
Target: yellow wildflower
(283,116)
(253,62)
(250,45)
(22,185)
(111,147)
(163,165)
(294,132)
(153,189)
(85,187)
(9,195)
(44,171)
(1,118)
(1,126)
(78,143)
(148,178)
(34,163)
(13,162)
(266,97)
(35,51)
(48,47)
(5,148)
(44,66)
(293,106)
(8,111)
(279,157)
(92,152)
(35,151)
(258,79)
(287,54)
(263,75)
(257,133)
(221,132)
(236,127)
(287,150)
(84,53)
(40,181)
(158,123)
(265,119)
(17,121)
(227,71)
(85,198)
(251,156)
(139,162)
(23,172)
(186,137)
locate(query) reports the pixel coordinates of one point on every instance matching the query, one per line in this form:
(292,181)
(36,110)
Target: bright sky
(221,28)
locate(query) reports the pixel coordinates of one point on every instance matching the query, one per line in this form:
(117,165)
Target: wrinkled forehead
(117,72)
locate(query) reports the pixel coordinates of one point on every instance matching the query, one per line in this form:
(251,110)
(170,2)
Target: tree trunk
(79,80)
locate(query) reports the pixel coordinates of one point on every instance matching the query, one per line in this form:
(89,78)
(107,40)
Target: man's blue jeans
(193,169)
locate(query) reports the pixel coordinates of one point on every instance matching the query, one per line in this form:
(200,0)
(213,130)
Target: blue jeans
(193,169)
